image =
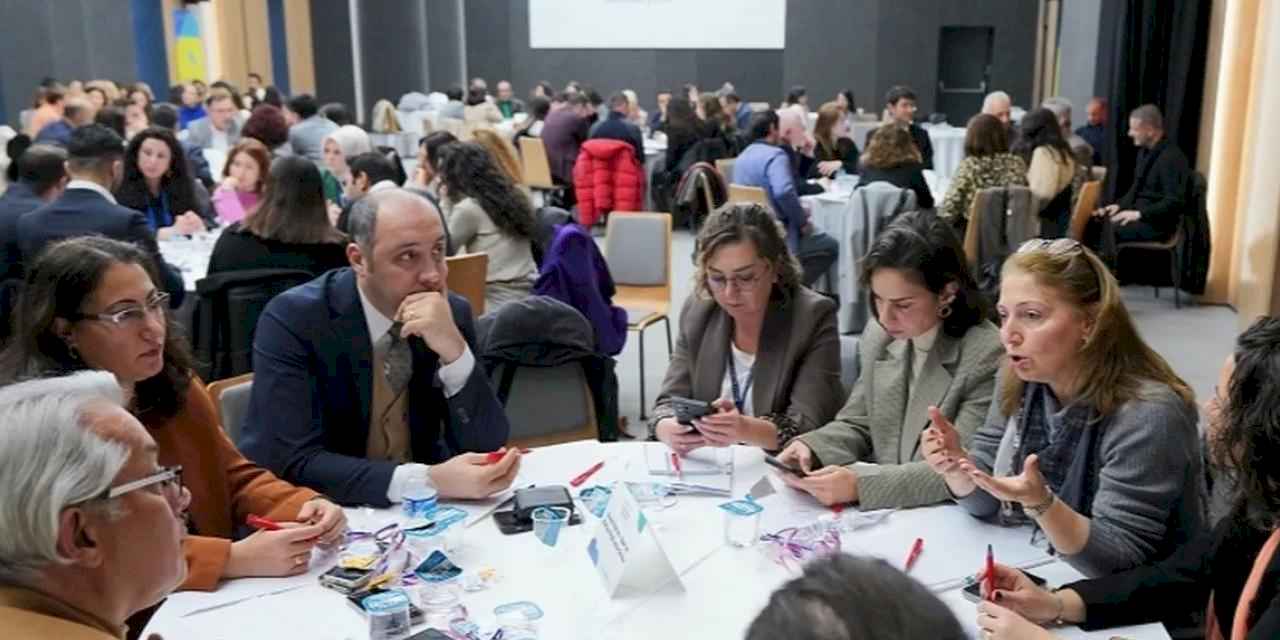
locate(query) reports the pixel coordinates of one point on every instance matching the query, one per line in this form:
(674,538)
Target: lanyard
(161,217)
(739,395)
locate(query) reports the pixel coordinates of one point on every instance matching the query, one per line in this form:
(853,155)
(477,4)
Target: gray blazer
(307,137)
(797,369)
(200,133)
(883,420)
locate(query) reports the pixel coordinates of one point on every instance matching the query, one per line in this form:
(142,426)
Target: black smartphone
(973,592)
(782,466)
(687,409)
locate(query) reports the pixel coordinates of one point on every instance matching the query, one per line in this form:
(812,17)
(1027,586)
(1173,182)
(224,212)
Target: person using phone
(1214,571)
(929,345)
(754,342)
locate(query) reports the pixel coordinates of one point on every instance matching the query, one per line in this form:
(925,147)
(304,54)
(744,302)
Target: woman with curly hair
(487,212)
(159,183)
(892,157)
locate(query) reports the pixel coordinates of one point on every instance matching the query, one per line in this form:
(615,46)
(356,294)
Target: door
(964,71)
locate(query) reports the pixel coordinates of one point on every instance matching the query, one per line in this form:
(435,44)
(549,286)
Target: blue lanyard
(739,395)
(159,218)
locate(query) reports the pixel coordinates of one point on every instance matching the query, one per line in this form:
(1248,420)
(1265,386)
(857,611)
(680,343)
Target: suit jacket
(82,212)
(1160,186)
(17,201)
(883,419)
(200,133)
(308,417)
(797,370)
(563,133)
(616,127)
(307,137)
(40,617)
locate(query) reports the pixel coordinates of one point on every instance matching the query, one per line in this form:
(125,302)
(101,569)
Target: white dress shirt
(92,186)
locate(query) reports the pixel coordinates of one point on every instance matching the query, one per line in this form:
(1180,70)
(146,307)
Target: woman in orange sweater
(92,303)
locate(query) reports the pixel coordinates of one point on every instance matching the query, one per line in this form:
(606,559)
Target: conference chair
(1085,205)
(725,167)
(226,316)
(537,169)
(231,402)
(638,251)
(534,389)
(467,273)
(743,193)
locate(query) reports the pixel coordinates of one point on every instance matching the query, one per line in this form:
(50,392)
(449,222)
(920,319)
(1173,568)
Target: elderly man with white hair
(1081,149)
(93,526)
(1000,105)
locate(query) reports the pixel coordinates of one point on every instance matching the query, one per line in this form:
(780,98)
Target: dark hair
(593,96)
(985,135)
(14,148)
(293,209)
(547,89)
(843,597)
(475,96)
(57,284)
(398,174)
(619,102)
(111,116)
(897,93)
(1248,439)
(271,96)
(1040,128)
(258,152)
(255,74)
(434,142)
(925,249)
(682,120)
(454,93)
(337,113)
(538,107)
(732,96)
(92,146)
(175,93)
(42,166)
(164,115)
(224,86)
(138,89)
(761,124)
(578,100)
(468,171)
(1148,113)
(51,94)
(794,95)
(375,166)
(303,104)
(178,182)
(747,222)
(715,113)
(266,125)
(848,97)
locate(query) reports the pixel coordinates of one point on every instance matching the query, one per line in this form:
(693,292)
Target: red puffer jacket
(607,178)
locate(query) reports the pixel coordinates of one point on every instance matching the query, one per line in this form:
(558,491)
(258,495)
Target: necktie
(398,365)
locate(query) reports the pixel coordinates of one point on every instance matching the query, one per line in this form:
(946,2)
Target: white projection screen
(657,24)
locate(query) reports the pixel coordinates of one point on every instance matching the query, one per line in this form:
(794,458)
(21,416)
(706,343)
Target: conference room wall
(331,51)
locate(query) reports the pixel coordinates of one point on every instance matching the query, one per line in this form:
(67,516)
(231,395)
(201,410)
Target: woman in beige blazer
(753,341)
(930,348)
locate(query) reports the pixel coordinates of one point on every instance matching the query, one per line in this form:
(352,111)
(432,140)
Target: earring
(72,351)
(944,311)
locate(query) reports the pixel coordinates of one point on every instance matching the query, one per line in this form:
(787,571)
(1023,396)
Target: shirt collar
(378,324)
(92,186)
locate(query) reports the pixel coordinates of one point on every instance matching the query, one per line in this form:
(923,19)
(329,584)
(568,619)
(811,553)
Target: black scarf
(1069,458)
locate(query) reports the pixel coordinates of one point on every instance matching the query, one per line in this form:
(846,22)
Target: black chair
(227,313)
(1175,246)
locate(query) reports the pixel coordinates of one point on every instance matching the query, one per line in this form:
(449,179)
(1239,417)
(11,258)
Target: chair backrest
(704,185)
(1085,204)
(564,387)
(743,193)
(467,275)
(638,249)
(1000,220)
(231,401)
(1098,173)
(227,314)
(725,167)
(537,169)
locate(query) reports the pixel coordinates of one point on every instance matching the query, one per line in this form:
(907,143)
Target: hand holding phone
(687,410)
(784,467)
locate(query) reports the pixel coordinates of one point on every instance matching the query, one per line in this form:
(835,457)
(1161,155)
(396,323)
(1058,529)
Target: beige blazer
(797,371)
(882,421)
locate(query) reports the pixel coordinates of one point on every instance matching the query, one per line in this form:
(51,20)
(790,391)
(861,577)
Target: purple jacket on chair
(575,273)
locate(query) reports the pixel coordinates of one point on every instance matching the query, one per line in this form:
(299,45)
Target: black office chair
(227,313)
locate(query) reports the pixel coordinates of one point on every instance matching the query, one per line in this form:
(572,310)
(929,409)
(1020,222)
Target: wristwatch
(1038,510)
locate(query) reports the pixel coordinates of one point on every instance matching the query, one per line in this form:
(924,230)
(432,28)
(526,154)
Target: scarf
(1069,455)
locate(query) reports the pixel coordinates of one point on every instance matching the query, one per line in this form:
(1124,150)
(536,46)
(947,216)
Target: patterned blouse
(981,172)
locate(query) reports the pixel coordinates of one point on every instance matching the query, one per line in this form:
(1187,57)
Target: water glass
(548,522)
(741,523)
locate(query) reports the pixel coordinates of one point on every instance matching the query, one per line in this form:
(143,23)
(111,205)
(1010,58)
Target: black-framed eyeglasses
(157,302)
(169,480)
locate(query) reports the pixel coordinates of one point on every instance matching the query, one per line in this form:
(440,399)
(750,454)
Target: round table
(948,148)
(722,588)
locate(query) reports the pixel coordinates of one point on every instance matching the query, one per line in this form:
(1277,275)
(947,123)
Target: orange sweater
(225,486)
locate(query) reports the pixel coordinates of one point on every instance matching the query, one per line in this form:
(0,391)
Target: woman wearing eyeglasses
(1091,434)
(753,341)
(929,347)
(92,303)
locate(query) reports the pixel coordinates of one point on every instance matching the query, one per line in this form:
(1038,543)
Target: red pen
(582,477)
(261,523)
(990,578)
(675,462)
(914,554)
(494,456)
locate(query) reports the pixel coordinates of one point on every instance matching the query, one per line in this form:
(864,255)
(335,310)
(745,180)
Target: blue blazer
(81,212)
(308,418)
(20,199)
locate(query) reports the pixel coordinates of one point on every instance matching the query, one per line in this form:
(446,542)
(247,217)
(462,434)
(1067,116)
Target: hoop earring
(944,311)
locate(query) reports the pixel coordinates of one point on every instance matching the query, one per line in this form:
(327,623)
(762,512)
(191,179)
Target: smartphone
(687,410)
(430,634)
(782,466)
(973,592)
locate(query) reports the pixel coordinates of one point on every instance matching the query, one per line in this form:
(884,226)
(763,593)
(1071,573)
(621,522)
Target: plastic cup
(388,615)
(741,523)
(548,524)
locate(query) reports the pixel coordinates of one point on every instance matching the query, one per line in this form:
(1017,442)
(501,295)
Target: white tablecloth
(723,587)
(948,148)
(191,255)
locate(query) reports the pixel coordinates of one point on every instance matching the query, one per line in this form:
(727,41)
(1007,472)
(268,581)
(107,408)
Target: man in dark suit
(95,163)
(900,102)
(42,176)
(563,132)
(365,376)
(1151,208)
(616,126)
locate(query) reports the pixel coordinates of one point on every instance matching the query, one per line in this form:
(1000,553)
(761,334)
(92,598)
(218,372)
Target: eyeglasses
(744,282)
(131,316)
(1056,246)
(169,480)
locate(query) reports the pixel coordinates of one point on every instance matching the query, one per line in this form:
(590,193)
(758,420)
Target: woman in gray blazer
(753,341)
(929,347)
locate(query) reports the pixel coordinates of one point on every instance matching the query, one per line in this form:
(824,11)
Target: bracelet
(1062,606)
(1038,510)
